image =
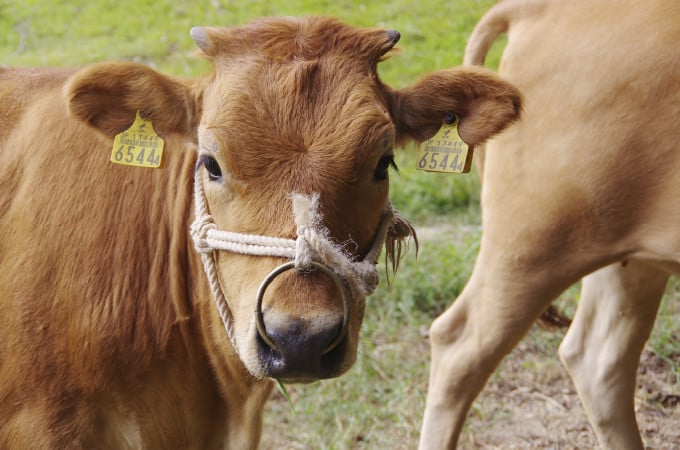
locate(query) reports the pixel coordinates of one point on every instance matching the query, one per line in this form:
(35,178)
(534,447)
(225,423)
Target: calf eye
(384,164)
(213,168)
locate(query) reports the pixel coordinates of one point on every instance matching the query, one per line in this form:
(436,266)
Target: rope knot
(303,251)
(307,218)
(199,233)
(314,244)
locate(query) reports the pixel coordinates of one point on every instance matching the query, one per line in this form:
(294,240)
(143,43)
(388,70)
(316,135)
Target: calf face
(294,109)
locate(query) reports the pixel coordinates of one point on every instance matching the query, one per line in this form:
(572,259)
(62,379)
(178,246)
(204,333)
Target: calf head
(294,112)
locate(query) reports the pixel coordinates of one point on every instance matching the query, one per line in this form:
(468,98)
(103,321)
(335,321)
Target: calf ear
(484,102)
(107,96)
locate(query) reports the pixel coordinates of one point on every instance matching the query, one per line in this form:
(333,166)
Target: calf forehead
(323,112)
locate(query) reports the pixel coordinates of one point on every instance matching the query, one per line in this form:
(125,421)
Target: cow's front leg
(494,311)
(602,349)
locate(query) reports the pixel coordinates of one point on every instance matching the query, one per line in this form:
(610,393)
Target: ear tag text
(138,146)
(445,151)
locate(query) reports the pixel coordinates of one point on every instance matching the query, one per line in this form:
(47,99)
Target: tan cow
(585,183)
(109,335)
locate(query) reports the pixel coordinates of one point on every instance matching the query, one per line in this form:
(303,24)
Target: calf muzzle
(328,339)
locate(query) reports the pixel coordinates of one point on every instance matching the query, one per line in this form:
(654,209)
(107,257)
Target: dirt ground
(539,408)
(530,403)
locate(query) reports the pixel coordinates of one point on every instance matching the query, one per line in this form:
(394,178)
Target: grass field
(379,404)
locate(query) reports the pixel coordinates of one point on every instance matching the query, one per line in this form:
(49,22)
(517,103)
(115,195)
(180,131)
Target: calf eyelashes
(381,170)
(211,165)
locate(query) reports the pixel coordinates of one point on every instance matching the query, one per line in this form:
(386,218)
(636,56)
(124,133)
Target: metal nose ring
(259,321)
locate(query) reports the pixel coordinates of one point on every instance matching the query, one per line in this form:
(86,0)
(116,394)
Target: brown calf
(110,336)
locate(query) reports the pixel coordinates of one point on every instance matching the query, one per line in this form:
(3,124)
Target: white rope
(312,244)
(199,230)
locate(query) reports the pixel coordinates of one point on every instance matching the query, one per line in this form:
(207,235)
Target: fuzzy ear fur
(107,97)
(485,103)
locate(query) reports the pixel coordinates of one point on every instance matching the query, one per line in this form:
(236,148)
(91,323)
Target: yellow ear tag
(138,146)
(445,151)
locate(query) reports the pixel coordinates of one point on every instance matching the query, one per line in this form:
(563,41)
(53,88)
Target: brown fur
(109,337)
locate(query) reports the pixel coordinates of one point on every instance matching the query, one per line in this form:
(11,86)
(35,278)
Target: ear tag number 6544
(138,146)
(445,151)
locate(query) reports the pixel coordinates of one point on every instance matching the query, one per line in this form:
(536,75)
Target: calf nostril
(320,334)
(300,345)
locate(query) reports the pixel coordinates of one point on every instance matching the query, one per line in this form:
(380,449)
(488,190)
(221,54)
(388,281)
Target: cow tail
(494,23)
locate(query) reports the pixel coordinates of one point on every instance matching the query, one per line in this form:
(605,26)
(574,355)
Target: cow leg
(494,311)
(602,348)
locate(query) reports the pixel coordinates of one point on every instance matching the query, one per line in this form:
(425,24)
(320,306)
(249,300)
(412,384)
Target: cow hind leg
(468,341)
(602,348)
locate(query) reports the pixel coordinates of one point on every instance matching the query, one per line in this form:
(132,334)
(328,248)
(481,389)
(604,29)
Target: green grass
(37,32)
(425,196)
(665,339)
(379,403)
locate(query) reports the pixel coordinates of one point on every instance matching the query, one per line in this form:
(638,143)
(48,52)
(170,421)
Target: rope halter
(311,250)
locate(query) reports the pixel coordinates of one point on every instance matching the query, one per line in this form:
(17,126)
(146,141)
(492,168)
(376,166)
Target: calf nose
(301,349)
(306,342)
